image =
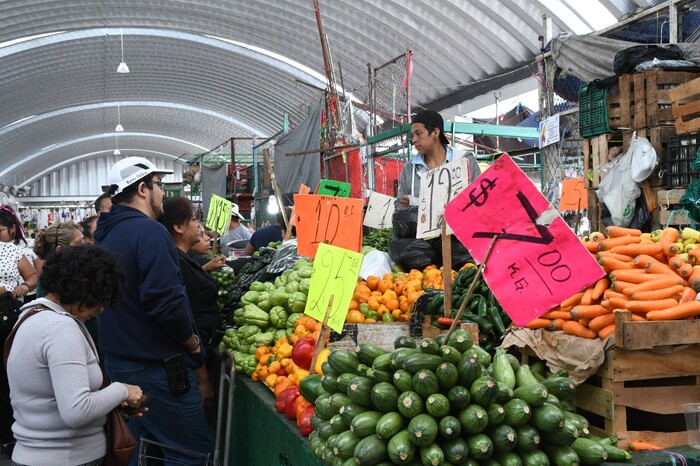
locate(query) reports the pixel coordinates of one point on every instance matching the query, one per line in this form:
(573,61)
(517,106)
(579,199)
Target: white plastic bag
(619,192)
(375,263)
(644,159)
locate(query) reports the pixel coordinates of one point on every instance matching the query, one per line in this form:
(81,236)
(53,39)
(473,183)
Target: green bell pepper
(278,317)
(297,302)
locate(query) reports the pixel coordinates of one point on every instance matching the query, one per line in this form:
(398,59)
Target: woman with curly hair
(59,406)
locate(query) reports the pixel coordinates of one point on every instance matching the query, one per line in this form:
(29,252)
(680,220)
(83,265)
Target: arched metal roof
(203,71)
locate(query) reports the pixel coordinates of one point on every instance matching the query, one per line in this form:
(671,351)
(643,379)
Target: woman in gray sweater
(55,380)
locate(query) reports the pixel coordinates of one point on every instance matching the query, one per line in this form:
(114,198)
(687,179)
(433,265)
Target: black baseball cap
(433,119)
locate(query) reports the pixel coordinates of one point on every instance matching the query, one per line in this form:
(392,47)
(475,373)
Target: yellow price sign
(335,273)
(218,215)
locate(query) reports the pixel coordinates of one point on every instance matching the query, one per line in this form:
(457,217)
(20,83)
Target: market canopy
(204,71)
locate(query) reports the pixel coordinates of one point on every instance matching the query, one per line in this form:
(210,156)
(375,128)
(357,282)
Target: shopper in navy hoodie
(153,323)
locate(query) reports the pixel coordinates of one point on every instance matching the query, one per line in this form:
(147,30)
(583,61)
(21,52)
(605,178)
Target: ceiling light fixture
(122,68)
(116,145)
(119,127)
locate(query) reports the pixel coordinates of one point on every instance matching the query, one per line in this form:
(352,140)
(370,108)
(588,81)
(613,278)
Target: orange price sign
(303,189)
(327,219)
(573,192)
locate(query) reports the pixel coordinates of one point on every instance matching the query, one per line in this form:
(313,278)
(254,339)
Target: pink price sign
(537,261)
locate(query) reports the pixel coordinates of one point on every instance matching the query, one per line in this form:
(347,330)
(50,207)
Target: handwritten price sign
(219,214)
(438,187)
(326,219)
(380,210)
(537,261)
(333,188)
(573,195)
(335,272)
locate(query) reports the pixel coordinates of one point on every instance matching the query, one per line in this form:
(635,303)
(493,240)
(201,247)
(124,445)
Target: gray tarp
(292,170)
(213,182)
(590,57)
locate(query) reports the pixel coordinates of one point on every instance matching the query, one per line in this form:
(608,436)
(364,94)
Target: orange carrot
(670,249)
(685,270)
(592,246)
(675,262)
(662,293)
(618,303)
(636,249)
(615,232)
(540,323)
(588,312)
(669,234)
(587,298)
(551,315)
(572,327)
(600,322)
(638,445)
(631,276)
(681,311)
(694,280)
(654,266)
(557,324)
(572,301)
(659,284)
(609,264)
(599,288)
(614,255)
(584,322)
(621,285)
(647,306)
(607,305)
(687,295)
(638,318)
(605,332)
(614,294)
(610,243)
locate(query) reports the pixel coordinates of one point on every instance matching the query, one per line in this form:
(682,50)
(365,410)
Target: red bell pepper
(303,352)
(305,420)
(286,398)
(290,407)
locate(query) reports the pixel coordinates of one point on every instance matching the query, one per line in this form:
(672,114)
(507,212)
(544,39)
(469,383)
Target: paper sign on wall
(333,188)
(219,215)
(537,261)
(335,272)
(438,187)
(327,219)
(549,131)
(573,195)
(380,210)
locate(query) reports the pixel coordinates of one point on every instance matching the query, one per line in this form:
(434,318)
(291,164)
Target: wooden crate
(614,109)
(595,155)
(430,331)
(686,106)
(645,99)
(381,334)
(639,391)
(658,136)
(670,212)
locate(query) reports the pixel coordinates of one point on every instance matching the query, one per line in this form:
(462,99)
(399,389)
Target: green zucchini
(480,447)
(384,397)
(450,354)
(447,375)
(410,404)
(484,390)
(432,455)
(534,394)
(399,355)
(345,444)
(437,405)
(344,380)
(343,361)
(514,363)
(518,412)
(330,383)
(589,451)
(360,390)
(461,340)
(561,455)
(425,383)
(365,424)
(524,377)
(535,458)
(403,380)
(401,450)
(456,450)
(404,341)
(469,369)
(616,455)
(547,418)
(449,427)
(458,397)
(370,450)
(564,436)
(324,409)
(389,425)
(423,430)
(378,376)
(338,424)
(417,361)
(382,362)
(502,370)
(508,459)
(350,410)
(429,346)
(338,400)
(473,419)
(368,352)
(496,414)
(482,355)
(504,438)
(505,393)
(561,387)
(527,438)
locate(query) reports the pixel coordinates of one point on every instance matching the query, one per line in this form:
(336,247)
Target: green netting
(690,201)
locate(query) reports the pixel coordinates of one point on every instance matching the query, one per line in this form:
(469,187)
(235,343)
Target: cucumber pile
(441,404)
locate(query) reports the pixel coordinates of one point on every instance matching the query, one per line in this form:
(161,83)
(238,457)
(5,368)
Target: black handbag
(9,312)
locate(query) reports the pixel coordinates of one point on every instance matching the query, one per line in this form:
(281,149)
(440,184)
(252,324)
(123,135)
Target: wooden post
(215,245)
(447,268)
(278,194)
(470,291)
(322,335)
(288,231)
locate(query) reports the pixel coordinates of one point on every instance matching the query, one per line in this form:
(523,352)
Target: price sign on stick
(333,188)
(303,189)
(380,210)
(537,261)
(335,273)
(573,195)
(326,219)
(438,187)
(219,214)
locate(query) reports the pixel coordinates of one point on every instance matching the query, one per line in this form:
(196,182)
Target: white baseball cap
(128,171)
(235,211)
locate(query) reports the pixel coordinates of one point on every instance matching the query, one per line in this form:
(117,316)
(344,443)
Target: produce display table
(260,435)
(663,458)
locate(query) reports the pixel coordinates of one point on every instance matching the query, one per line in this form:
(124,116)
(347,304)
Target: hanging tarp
(293,170)
(213,182)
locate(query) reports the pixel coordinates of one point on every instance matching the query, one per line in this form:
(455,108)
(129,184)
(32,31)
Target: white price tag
(438,187)
(380,210)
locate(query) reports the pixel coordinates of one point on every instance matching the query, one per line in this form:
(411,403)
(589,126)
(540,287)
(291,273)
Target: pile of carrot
(644,276)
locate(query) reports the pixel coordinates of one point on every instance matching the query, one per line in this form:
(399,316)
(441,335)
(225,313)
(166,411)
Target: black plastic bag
(405,222)
(9,312)
(626,60)
(412,253)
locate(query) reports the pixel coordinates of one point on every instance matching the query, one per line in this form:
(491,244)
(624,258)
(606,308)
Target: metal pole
(409,63)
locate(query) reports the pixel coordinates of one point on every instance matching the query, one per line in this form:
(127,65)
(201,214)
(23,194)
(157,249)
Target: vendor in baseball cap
(432,121)
(130,170)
